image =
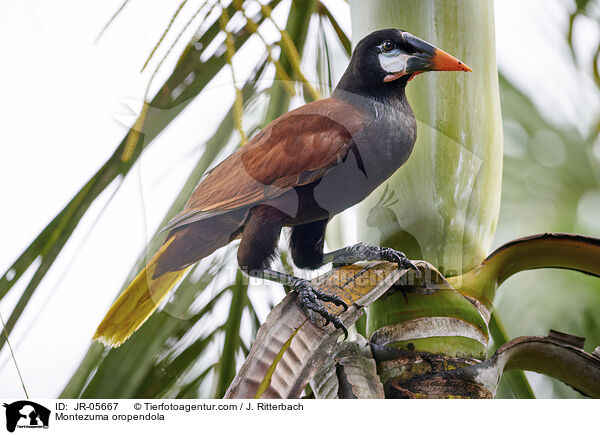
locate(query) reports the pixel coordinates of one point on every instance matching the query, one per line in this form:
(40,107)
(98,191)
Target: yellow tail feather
(137,302)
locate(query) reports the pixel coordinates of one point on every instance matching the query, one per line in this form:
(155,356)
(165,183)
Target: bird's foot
(310,297)
(366,252)
(398,257)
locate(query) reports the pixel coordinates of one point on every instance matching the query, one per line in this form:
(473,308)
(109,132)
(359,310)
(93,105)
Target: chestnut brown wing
(295,149)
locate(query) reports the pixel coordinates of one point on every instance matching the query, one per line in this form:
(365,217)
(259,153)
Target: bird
(299,171)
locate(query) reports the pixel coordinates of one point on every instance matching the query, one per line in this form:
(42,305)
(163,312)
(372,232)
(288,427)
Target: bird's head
(392,57)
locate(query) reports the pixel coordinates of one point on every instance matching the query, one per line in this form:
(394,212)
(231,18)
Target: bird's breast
(378,150)
(387,142)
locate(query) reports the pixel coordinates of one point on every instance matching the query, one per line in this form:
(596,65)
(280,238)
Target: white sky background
(63,100)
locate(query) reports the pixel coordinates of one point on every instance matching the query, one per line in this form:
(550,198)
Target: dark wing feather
(293,150)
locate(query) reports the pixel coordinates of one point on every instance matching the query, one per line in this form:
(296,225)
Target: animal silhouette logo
(26,414)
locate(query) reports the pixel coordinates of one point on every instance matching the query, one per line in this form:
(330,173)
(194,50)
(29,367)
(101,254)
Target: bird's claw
(310,297)
(398,257)
(325,297)
(366,252)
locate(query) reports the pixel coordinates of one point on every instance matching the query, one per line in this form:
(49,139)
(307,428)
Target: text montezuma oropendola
(302,169)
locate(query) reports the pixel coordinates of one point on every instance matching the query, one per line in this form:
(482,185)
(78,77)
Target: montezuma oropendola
(302,169)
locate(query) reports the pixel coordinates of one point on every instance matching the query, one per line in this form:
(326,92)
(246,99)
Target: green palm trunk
(443,205)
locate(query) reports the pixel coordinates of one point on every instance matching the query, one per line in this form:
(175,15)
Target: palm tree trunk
(442,206)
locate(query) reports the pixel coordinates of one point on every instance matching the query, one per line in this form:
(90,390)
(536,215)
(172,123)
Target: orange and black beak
(430,58)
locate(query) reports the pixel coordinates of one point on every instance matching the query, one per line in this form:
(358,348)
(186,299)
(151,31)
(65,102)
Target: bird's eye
(387,46)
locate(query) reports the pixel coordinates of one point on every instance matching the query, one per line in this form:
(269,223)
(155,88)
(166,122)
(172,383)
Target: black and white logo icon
(26,415)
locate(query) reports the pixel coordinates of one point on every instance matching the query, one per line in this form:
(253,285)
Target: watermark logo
(26,415)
